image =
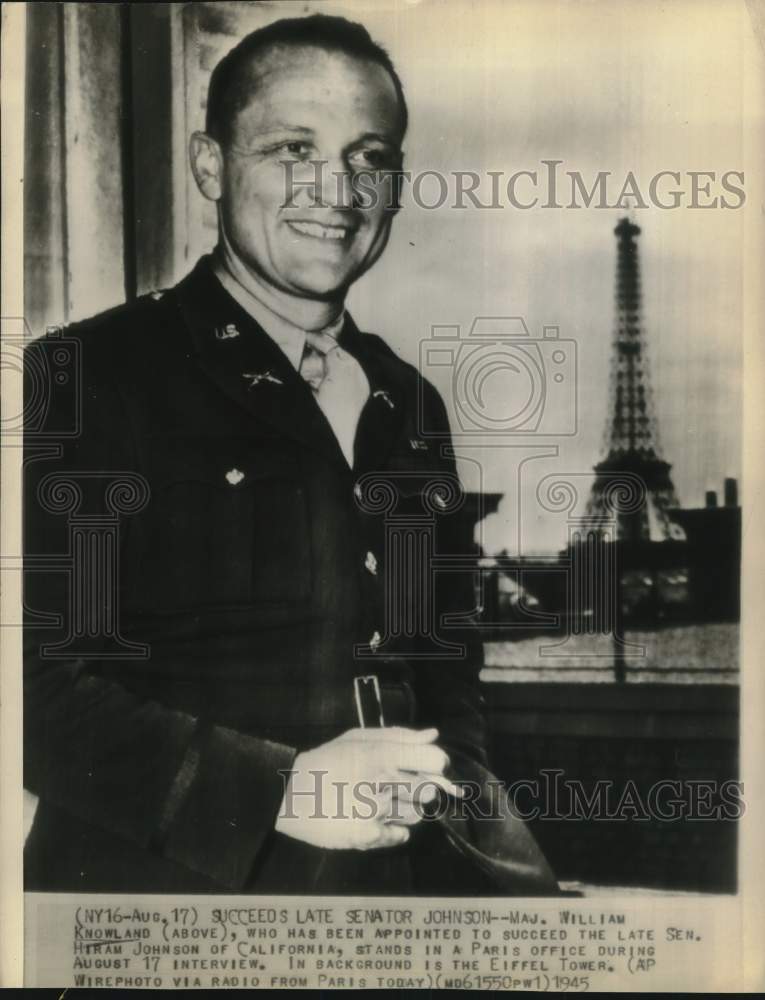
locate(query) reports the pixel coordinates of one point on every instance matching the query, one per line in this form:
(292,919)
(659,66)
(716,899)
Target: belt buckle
(366,691)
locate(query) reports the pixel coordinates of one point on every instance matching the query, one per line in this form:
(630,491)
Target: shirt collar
(290,339)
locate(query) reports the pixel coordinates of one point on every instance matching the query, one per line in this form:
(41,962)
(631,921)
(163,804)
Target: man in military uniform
(250,659)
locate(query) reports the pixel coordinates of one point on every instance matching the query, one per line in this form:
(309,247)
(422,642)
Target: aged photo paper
(382,495)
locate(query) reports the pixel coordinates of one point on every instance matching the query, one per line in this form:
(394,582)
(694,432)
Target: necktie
(339,385)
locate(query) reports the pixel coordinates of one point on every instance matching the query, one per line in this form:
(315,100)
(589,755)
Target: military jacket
(206,577)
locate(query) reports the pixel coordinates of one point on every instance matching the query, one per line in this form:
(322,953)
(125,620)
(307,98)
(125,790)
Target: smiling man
(339,111)
(207,718)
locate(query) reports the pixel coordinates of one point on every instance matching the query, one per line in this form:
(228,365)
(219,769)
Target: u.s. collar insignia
(416,444)
(383,394)
(227,332)
(257,377)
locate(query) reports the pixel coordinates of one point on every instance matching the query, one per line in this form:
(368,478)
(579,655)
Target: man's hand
(364,789)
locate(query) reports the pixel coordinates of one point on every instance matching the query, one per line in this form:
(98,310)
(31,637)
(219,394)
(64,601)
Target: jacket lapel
(383,415)
(245,363)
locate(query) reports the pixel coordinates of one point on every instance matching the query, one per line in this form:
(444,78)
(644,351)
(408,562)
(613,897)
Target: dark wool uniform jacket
(248,585)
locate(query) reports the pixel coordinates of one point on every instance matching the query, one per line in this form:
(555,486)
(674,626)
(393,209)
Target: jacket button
(375,641)
(357,492)
(370,563)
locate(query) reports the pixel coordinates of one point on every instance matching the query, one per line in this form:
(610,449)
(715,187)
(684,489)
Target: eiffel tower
(631,432)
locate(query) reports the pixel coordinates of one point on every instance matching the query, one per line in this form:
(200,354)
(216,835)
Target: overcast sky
(614,87)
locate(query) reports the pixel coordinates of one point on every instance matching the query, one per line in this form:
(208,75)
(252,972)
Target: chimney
(711,498)
(731,493)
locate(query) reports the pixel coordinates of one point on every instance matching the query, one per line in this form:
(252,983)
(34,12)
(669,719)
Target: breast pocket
(227,524)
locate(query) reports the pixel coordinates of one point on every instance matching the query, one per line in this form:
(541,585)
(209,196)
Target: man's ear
(206,159)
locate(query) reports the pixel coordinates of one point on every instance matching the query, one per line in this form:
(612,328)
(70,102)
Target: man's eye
(373,159)
(296,148)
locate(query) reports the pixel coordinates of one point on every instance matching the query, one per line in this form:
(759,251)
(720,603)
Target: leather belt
(383,703)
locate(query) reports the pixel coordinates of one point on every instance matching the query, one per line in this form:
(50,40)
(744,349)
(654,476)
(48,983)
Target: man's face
(307,105)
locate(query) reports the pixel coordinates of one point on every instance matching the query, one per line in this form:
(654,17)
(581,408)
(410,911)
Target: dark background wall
(640,733)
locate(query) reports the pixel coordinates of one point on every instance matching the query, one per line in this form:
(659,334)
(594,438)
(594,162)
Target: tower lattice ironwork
(632,443)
